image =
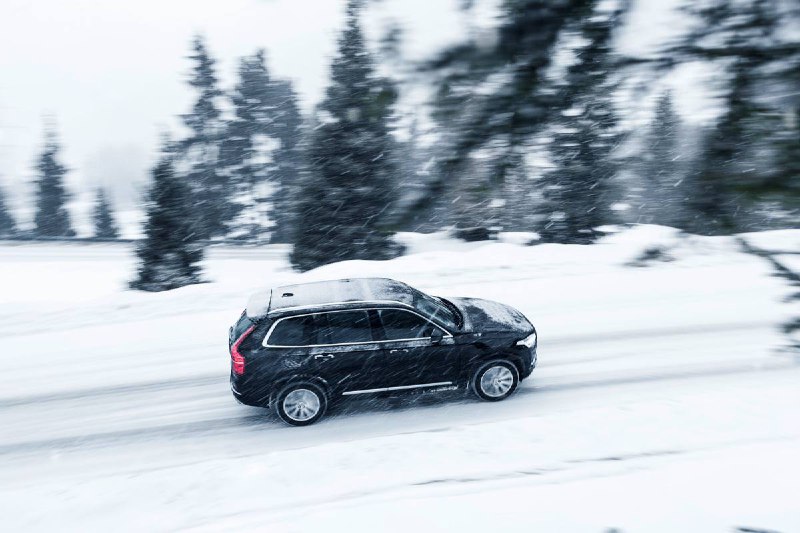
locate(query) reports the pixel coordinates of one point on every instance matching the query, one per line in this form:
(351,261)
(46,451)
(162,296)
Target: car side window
(293,331)
(345,327)
(399,324)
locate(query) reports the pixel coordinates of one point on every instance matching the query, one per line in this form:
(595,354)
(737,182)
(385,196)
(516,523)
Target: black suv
(300,347)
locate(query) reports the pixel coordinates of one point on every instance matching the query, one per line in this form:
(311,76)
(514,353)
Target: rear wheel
(301,404)
(495,380)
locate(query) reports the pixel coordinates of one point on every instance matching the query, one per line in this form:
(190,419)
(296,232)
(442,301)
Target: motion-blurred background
(331,125)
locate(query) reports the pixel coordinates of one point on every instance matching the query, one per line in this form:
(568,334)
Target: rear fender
(282,383)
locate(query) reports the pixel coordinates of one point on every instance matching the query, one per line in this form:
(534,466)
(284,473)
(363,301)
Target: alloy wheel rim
(301,405)
(497,381)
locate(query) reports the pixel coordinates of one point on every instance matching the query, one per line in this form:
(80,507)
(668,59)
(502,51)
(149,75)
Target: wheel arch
(300,378)
(495,355)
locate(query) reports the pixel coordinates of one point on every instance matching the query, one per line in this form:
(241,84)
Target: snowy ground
(663,400)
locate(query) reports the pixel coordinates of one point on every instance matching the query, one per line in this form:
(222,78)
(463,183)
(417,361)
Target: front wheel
(495,380)
(301,404)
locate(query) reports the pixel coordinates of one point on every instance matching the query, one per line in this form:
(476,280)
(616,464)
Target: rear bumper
(243,397)
(236,394)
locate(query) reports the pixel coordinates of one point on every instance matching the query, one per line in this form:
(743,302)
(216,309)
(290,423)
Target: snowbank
(662,401)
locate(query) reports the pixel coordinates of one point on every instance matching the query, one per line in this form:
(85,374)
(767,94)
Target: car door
(416,351)
(347,355)
(335,346)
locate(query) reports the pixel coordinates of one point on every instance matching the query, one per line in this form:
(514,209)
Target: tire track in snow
(262,422)
(215,378)
(659,332)
(99,392)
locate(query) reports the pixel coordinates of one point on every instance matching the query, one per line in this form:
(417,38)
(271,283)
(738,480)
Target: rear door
(410,355)
(346,353)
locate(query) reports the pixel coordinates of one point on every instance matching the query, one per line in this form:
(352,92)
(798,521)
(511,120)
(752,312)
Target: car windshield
(436,310)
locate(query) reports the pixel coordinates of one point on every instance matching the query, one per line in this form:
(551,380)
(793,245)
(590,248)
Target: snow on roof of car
(323,293)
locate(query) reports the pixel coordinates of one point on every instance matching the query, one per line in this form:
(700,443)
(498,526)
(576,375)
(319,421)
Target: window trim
(265,342)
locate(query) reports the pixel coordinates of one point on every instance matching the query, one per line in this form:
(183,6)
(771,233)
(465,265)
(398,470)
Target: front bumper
(529,359)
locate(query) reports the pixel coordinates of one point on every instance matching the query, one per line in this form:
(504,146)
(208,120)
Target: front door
(416,352)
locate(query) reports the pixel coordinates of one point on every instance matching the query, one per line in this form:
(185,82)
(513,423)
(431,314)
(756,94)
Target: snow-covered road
(177,407)
(115,409)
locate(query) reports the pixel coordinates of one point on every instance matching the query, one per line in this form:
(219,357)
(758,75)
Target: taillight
(237,359)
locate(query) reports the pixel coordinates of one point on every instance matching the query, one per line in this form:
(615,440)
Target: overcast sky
(113,72)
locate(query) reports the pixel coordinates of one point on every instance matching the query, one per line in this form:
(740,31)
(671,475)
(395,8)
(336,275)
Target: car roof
(341,293)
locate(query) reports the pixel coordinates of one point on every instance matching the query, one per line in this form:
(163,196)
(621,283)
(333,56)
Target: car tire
(301,403)
(495,380)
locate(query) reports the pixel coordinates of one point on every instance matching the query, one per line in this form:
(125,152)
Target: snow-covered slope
(663,401)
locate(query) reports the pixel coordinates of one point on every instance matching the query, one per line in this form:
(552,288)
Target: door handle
(398,351)
(324,356)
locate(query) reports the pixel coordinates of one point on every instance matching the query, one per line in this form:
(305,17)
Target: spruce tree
(260,152)
(8,228)
(785,182)
(578,191)
(735,176)
(496,125)
(170,253)
(245,161)
(714,202)
(51,218)
(350,187)
(288,159)
(201,149)
(415,162)
(662,169)
(105,227)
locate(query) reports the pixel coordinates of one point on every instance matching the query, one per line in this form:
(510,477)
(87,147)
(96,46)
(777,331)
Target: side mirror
(437,336)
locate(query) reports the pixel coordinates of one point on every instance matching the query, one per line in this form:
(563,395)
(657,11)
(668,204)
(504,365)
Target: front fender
(489,354)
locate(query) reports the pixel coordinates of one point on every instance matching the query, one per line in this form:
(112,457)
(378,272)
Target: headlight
(529,341)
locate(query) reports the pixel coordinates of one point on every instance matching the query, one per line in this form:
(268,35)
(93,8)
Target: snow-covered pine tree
(246,159)
(260,152)
(578,191)
(735,173)
(105,227)
(662,169)
(51,218)
(200,151)
(414,164)
(288,160)
(8,226)
(785,182)
(490,103)
(714,203)
(350,187)
(414,159)
(170,253)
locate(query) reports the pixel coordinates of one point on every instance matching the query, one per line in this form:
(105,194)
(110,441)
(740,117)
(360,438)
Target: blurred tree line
(524,142)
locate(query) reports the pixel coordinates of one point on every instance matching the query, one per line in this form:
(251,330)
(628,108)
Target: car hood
(486,316)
